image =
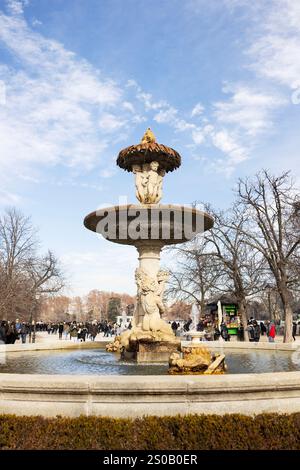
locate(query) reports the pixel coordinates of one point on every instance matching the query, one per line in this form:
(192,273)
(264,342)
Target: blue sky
(217,80)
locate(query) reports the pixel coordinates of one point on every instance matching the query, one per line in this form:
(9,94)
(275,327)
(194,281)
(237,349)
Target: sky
(217,80)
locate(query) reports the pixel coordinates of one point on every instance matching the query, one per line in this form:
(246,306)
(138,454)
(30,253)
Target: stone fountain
(149,226)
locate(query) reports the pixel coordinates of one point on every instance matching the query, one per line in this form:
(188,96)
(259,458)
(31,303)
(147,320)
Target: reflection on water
(99,362)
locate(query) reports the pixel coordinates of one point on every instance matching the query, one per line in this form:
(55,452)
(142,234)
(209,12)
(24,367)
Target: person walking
(23,332)
(256,331)
(250,330)
(224,332)
(271,332)
(217,333)
(93,331)
(3,331)
(240,332)
(74,332)
(83,333)
(66,329)
(294,331)
(174,327)
(60,330)
(263,328)
(11,333)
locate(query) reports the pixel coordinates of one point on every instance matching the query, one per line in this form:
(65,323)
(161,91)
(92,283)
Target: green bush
(192,432)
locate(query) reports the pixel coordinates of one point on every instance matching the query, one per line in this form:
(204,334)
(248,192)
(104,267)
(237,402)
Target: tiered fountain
(149,226)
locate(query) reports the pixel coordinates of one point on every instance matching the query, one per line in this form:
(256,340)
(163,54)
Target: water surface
(100,362)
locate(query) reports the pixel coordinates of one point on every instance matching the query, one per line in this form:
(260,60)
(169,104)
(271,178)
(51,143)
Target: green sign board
(230,309)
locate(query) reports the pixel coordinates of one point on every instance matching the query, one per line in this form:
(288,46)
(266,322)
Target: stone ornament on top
(149,173)
(149,162)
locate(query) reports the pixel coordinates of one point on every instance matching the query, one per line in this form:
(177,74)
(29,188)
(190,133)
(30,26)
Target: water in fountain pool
(99,362)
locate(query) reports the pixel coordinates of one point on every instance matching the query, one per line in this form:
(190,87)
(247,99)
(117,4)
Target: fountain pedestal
(158,351)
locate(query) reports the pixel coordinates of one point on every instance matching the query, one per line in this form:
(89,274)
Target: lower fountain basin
(100,362)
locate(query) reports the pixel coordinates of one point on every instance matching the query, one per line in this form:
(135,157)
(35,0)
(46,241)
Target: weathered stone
(114,346)
(195,360)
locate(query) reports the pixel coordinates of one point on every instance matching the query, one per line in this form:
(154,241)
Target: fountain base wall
(135,396)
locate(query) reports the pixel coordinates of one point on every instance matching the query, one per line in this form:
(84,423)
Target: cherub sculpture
(149,302)
(139,187)
(148,182)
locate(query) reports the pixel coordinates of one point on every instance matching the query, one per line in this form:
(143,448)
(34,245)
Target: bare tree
(24,273)
(244,267)
(273,230)
(197,274)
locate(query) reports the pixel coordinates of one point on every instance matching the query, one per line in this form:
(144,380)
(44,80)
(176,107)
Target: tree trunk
(287,311)
(202,307)
(288,326)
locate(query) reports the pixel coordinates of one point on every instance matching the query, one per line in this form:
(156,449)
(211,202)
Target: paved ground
(43,337)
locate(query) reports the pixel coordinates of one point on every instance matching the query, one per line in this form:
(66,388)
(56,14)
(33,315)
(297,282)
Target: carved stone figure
(159,193)
(139,189)
(153,181)
(196,360)
(148,182)
(150,292)
(148,137)
(162,278)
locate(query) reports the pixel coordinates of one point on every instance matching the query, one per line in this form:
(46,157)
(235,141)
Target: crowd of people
(255,329)
(11,331)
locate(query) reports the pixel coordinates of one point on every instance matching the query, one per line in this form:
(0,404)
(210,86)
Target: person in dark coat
(217,333)
(224,332)
(240,332)
(174,327)
(256,331)
(263,328)
(60,330)
(294,330)
(186,326)
(200,326)
(93,331)
(11,333)
(3,331)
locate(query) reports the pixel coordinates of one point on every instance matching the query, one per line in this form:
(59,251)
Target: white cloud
(228,144)
(110,123)
(58,109)
(166,116)
(248,108)
(197,110)
(36,22)
(9,199)
(107,173)
(182,125)
(128,106)
(149,103)
(274,50)
(16,6)
(199,134)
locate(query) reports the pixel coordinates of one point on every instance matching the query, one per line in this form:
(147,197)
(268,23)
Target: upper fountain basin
(165,223)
